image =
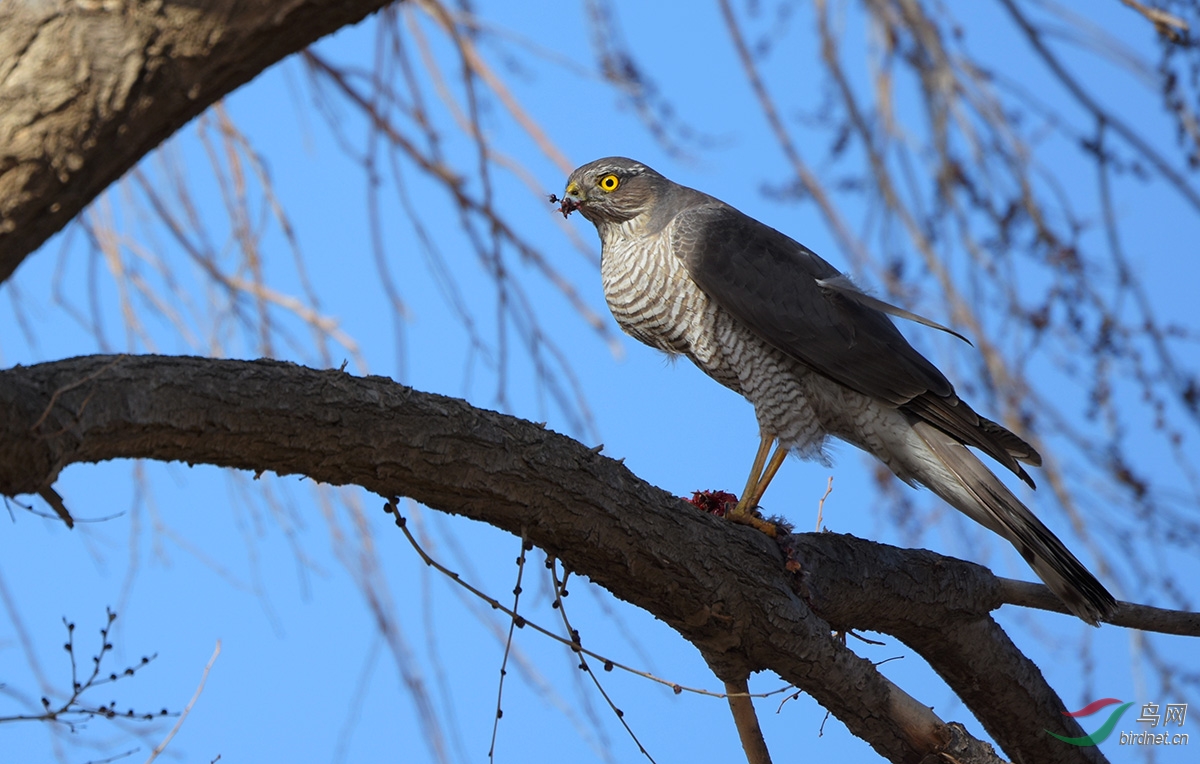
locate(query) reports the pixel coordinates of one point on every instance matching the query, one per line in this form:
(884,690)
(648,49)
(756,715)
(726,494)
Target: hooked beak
(572,201)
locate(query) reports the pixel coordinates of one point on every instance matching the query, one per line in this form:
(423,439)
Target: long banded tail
(969,486)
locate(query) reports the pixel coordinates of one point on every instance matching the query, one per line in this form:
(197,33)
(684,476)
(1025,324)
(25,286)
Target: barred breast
(654,300)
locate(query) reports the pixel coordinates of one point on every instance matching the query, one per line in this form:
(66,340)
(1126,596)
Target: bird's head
(612,190)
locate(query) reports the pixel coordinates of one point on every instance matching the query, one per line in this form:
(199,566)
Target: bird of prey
(766,317)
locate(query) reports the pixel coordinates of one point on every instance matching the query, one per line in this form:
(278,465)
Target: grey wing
(769,282)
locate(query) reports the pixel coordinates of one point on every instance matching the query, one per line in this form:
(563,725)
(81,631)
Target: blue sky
(197,555)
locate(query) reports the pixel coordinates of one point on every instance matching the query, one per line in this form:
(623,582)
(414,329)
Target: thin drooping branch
(581,507)
(1153,157)
(1165,23)
(88,91)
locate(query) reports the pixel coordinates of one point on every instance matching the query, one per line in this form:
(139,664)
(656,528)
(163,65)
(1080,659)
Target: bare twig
(560,591)
(513,623)
(1141,145)
(393,509)
(821,503)
(76,710)
(1164,22)
(188,708)
(850,243)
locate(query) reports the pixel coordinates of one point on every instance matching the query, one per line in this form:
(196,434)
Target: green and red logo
(1105,730)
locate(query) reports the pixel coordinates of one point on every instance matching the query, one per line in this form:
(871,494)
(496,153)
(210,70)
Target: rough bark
(588,510)
(88,87)
(937,606)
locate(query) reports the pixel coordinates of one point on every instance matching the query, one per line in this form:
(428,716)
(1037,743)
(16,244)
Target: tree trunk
(89,87)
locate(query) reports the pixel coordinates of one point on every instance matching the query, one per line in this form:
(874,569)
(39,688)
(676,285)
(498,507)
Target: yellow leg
(760,459)
(768,475)
(756,484)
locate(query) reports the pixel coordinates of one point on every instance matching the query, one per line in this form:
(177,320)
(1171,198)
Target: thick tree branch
(583,508)
(87,88)
(938,607)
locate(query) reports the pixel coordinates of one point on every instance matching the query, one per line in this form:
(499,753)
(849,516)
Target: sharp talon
(745,516)
(757,523)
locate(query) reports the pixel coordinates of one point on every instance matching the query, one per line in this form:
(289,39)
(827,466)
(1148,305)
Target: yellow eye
(610,182)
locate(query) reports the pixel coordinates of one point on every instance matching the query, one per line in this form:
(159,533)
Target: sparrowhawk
(766,317)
